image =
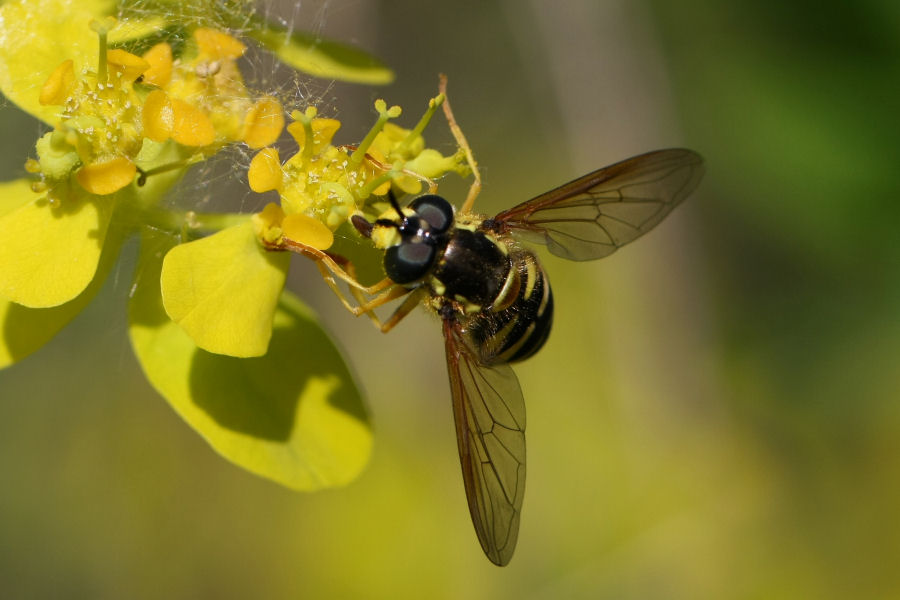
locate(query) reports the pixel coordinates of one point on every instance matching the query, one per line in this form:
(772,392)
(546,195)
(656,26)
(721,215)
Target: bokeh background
(715,415)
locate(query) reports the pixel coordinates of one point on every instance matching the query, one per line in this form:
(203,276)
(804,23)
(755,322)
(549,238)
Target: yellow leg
(384,291)
(368,307)
(404,309)
(475,188)
(331,262)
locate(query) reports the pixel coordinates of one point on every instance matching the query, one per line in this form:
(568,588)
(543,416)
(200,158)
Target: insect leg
(331,262)
(404,309)
(368,307)
(363,306)
(475,188)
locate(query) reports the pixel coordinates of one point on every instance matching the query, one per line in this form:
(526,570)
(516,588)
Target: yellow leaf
(35,35)
(133,28)
(49,255)
(294,416)
(14,194)
(320,57)
(223,289)
(24,330)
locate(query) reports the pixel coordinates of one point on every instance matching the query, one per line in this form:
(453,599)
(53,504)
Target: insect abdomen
(521,327)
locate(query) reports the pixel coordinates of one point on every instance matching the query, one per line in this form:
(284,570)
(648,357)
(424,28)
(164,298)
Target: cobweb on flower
(219,184)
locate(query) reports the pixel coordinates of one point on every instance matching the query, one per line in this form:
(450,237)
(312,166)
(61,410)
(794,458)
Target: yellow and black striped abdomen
(518,322)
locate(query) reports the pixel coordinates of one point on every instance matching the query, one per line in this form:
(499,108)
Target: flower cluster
(320,187)
(129,114)
(324,184)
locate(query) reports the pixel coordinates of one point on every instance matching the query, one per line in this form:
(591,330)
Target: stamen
(433,105)
(102,28)
(384,115)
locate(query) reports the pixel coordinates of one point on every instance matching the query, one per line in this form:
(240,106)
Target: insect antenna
(393,200)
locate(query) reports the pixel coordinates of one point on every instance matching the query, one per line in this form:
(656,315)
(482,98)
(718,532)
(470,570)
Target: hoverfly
(494,299)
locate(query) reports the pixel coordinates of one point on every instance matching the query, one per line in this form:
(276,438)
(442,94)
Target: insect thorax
(500,293)
(472,270)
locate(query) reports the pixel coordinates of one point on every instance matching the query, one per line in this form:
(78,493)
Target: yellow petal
(263,123)
(223,290)
(159,57)
(130,65)
(308,231)
(191,126)
(265,172)
(106,177)
(218,45)
(157,116)
(59,85)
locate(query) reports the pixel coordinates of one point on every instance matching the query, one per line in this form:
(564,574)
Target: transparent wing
(489,412)
(598,213)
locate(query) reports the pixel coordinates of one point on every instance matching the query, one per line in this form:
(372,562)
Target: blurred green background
(714,416)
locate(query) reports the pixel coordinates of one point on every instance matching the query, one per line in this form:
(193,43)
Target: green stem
(433,105)
(102,27)
(384,115)
(180,222)
(181,164)
(373,184)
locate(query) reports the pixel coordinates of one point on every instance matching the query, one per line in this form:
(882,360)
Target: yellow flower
(125,127)
(329,183)
(202,99)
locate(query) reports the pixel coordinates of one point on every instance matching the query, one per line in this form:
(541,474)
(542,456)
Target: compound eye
(435,211)
(409,261)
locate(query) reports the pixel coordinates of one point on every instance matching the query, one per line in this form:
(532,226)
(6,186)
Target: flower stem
(184,222)
(433,105)
(384,115)
(180,164)
(102,27)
